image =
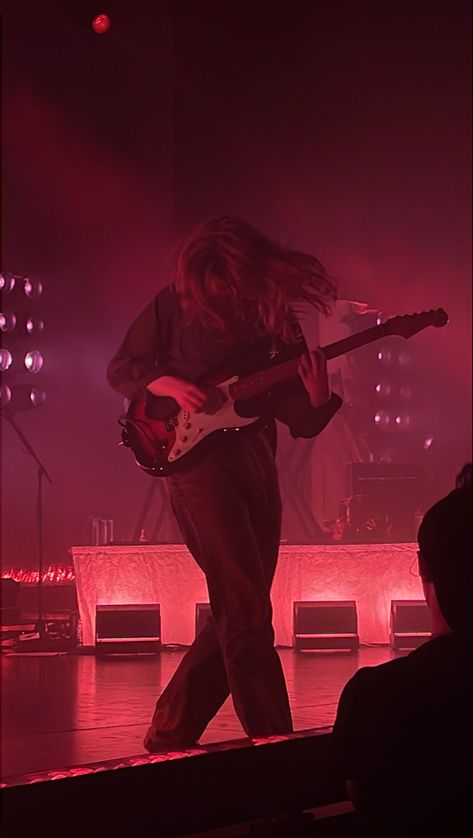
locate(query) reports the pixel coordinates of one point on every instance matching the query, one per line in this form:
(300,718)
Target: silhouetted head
(233,278)
(445,556)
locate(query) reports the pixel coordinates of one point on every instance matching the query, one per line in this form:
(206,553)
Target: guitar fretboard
(254,385)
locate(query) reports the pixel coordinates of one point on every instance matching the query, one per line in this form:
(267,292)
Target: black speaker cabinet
(326,626)
(411,623)
(127,628)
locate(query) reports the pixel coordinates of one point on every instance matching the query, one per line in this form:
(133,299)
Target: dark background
(340,128)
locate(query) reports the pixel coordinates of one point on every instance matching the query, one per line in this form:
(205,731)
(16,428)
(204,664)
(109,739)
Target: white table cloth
(372,575)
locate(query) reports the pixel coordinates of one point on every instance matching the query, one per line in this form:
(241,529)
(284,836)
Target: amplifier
(382,503)
(384,479)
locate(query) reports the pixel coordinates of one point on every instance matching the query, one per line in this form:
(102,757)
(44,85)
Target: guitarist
(230,304)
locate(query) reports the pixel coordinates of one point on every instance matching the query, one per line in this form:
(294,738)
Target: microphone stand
(42,644)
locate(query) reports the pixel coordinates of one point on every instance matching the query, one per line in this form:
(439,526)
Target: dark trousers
(229,511)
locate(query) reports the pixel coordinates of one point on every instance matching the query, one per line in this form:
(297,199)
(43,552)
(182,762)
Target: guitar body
(173,442)
(165,446)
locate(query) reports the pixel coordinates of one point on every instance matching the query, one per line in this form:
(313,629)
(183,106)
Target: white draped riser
(372,575)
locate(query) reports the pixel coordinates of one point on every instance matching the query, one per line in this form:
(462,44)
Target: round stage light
(5,395)
(403,420)
(6,359)
(7,322)
(7,282)
(101,24)
(404,358)
(37,397)
(385,356)
(16,399)
(32,287)
(382,419)
(34,361)
(34,327)
(383,388)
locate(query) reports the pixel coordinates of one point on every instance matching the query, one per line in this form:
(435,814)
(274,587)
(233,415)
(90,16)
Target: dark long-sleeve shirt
(160,343)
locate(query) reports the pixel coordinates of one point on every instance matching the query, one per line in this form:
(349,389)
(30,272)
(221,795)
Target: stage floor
(60,711)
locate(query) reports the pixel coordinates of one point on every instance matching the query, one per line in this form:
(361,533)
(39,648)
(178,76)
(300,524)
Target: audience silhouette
(403,729)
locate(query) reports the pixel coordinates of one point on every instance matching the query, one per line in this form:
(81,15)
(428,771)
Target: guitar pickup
(171,423)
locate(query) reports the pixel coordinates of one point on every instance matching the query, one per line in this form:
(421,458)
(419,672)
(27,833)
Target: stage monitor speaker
(54,597)
(202,614)
(128,628)
(330,625)
(411,623)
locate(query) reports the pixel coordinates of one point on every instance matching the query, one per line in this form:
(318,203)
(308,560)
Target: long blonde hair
(232,278)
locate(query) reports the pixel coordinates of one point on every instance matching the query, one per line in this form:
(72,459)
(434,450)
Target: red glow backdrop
(341,129)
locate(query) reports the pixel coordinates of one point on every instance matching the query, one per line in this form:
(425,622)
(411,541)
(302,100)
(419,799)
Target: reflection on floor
(64,710)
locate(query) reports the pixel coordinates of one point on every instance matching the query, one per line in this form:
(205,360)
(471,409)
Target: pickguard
(191,428)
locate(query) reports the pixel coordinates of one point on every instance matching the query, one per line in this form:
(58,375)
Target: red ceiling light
(101,24)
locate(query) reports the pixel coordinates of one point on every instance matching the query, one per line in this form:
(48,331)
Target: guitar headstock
(407,325)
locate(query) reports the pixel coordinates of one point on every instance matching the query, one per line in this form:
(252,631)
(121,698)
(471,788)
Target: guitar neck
(254,385)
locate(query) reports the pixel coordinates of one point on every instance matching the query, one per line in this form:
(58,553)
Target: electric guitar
(164,446)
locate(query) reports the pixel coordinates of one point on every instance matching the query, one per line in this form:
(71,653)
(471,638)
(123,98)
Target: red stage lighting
(101,24)
(6,359)
(32,287)
(33,361)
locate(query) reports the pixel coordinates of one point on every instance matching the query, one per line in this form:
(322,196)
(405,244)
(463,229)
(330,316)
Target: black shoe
(154,744)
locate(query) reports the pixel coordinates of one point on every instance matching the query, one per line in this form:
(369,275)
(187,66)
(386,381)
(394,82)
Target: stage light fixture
(403,421)
(428,442)
(34,327)
(382,418)
(18,397)
(5,395)
(6,359)
(383,388)
(385,356)
(404,358)
(21,397)
(34,361)
(7,321)
(101,24)
(7,282)
(37,397)
(32,287)
(21,356)
(326,626)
